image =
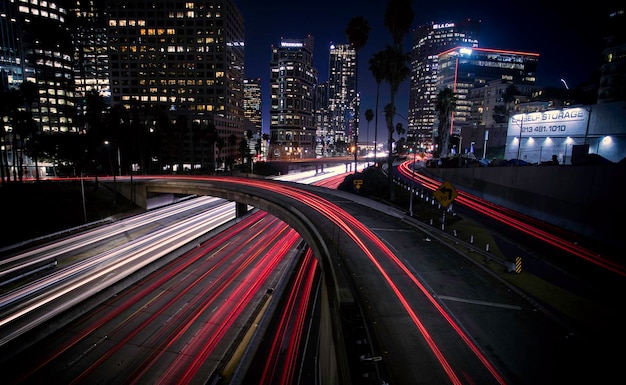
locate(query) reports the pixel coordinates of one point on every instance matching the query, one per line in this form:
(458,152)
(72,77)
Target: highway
(436,316)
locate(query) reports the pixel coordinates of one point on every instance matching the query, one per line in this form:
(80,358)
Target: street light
(412,182)
(108,146)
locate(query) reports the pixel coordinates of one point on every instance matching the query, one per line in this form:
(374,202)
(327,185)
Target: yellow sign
(445,194)
(358,183)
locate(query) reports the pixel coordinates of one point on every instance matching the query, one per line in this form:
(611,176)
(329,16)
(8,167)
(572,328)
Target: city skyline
(540,28)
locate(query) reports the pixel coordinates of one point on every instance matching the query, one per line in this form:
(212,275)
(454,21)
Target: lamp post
(108,146)
(485,146)
(460,148)
(519,143)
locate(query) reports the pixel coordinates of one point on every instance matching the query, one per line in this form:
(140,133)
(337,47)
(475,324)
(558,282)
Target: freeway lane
(173,326)
(437,329)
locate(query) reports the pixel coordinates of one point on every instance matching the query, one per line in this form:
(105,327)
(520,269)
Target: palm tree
(398,19)
(220,144)
(369,115)
(211,138)
(377,68)
(230,159)
(446,102)
(357,33)
(397,70)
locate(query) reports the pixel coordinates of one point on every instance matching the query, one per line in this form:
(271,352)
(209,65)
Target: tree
(369,115)
(446,102)
(180,131)
(396,71)
(220,144)
(245,152)
(377,68)
(211,138)
(357,33)
(232,142)
(398,19)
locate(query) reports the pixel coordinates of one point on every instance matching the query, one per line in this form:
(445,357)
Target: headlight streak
(332,211)
(207,296)
(285,346)
(165,279)
(64,246)
(175,239)
(518,221)
(279,250)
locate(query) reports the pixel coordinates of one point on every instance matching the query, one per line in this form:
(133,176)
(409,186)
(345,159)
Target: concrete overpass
(287,201)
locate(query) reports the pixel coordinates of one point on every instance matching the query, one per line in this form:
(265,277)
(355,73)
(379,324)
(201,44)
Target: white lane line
(476,302)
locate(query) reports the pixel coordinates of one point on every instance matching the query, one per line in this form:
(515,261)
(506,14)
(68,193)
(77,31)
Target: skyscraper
(428,41)
(324,146)
(463,69)
(252,98)
(292,109)
(36,47)
(91,51)
(342,95)
(252,102)
(185,59)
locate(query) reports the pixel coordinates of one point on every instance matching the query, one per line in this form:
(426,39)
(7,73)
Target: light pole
(108,146)
(519,143)
(485,146)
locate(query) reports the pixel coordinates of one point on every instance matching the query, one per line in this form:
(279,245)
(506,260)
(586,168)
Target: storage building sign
(566,122)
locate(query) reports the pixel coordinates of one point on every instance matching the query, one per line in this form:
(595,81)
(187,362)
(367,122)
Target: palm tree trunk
(376,124)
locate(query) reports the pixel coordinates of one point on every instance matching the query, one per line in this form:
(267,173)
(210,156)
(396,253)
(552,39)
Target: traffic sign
(358,183)
(445,194)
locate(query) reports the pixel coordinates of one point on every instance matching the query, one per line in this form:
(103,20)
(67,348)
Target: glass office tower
(292,107)
(428,41)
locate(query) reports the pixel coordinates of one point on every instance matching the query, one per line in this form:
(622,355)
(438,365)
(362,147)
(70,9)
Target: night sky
(568,38)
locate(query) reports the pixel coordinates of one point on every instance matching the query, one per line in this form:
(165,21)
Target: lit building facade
(185,59)
(613,71)
(252,102)
(429,41)
(91,52)
(37,47)
(292,106)
(569,134)
(324,146)
(463,69)
(343,99)
(252,111)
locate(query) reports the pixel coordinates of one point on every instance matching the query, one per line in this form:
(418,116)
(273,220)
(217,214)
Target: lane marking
(477,302)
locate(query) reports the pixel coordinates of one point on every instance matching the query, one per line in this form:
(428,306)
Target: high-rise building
(342,96)
(463,69)
(91,51)
(36,47)
(325,146)
(292,107)
(613,72)
(252,102)
(182,58)
(253,113)
(428,41)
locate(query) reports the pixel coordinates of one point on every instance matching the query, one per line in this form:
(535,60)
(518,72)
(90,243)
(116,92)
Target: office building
(463,69)
(325,145)
(292,89)
(185,59)
(91,53)
(252,102)
(343,100)
(613,71)
(37,47)
(429,41)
